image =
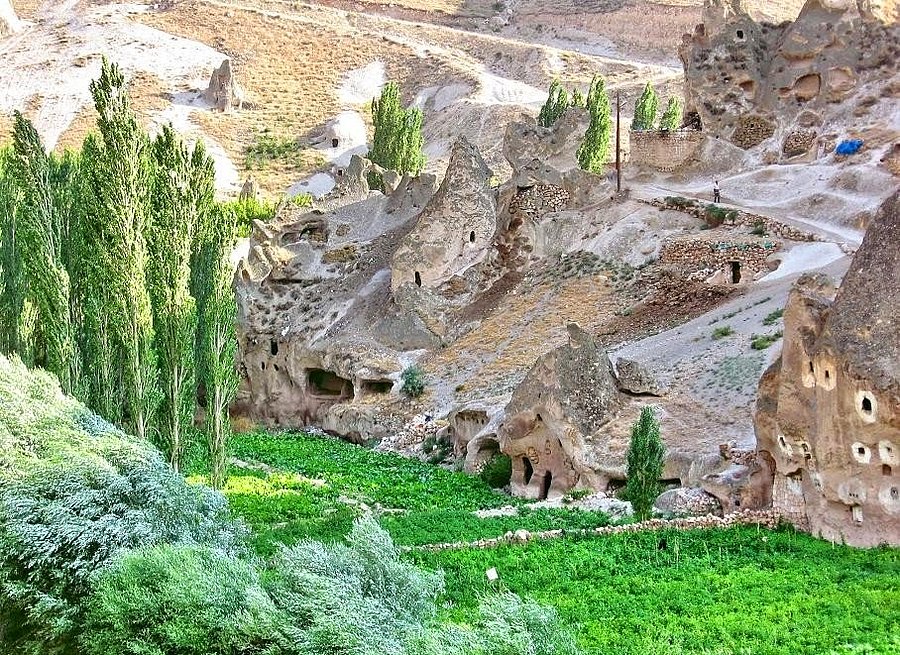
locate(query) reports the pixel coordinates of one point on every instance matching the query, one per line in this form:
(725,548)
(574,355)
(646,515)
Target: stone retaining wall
(768,519)
(539,200)
(663,150)
(705,257)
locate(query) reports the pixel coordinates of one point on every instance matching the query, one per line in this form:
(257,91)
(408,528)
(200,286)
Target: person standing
(717,196)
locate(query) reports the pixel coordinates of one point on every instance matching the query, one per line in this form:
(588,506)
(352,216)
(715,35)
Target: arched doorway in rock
(418,278)
(528,471)
(545,485)
(334,143)
(735,272)
(472,236)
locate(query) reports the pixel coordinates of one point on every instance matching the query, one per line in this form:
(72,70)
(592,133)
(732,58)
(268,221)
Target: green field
(741,590)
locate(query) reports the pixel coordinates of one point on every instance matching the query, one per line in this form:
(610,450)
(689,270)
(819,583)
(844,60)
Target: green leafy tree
(671,118)
(12,287)
(216,333)
(577,98)
(645,110)
(556,105)
(398,139)
(644,463)
(41,235)
(593,152)
(119,167)
(183,188)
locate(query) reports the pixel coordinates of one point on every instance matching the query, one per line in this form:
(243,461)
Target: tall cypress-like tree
(182,193)
(644,463)
(556,105)
(41,236)
(12,286)
(216,333)
(671,118)
(116,212)
(594,149)
(645,109)
(398,139)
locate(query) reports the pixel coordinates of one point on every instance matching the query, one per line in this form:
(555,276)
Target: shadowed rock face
(748,81)
(828,415)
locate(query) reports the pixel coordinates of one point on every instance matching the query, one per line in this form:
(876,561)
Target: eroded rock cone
(223,92)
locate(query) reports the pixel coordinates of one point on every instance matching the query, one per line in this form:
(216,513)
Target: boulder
(688,501)
(636,378)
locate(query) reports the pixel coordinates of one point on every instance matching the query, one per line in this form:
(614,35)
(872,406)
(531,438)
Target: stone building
(664,150)
(828,413)
(720,258)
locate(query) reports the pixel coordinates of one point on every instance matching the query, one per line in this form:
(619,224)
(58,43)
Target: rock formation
(787,78)
(455,230)
(223,92)
(567,395)
(9,22)
(828,414)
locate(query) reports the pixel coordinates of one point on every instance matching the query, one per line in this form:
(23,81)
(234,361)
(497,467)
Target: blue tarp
(850,147)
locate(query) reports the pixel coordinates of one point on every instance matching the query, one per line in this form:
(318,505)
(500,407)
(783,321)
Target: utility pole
(618,144)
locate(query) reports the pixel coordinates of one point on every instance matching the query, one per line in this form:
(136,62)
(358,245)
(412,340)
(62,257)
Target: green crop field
(712,592)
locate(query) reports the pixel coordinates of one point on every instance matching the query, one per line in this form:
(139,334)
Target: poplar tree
(644,464)
(12,288)
(556,105)
(671,118)
(216,333)
(398,139)
(645,109)
(116,215)
(183,184)
(594,149)
(41,234)
(577,98)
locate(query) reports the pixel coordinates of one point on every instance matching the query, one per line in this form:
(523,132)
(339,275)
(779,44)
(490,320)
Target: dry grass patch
(290,66)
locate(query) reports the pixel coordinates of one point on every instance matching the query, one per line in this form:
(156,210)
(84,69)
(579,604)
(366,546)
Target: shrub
(413,379)
(763,341)
(716,215)
(504,625)
(74,493)
(773,317)
(722,332)
(352,599)
(178,599)
(644,463)
(247,210)
(759,229)
(497,471)
(679,202)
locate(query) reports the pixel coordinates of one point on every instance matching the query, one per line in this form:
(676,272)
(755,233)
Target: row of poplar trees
(594,151)
(115,275)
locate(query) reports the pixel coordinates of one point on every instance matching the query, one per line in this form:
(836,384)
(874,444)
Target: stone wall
(663,150)
(723,259)
(538,200)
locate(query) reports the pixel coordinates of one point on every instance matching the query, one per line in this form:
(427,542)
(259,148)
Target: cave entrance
(334,143)
(472,236)
(325,383)
(528,472)
(735,272)
(545,485)
(418,278)
(377,386)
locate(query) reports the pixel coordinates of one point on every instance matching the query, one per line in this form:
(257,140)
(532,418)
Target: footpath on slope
(768,519)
